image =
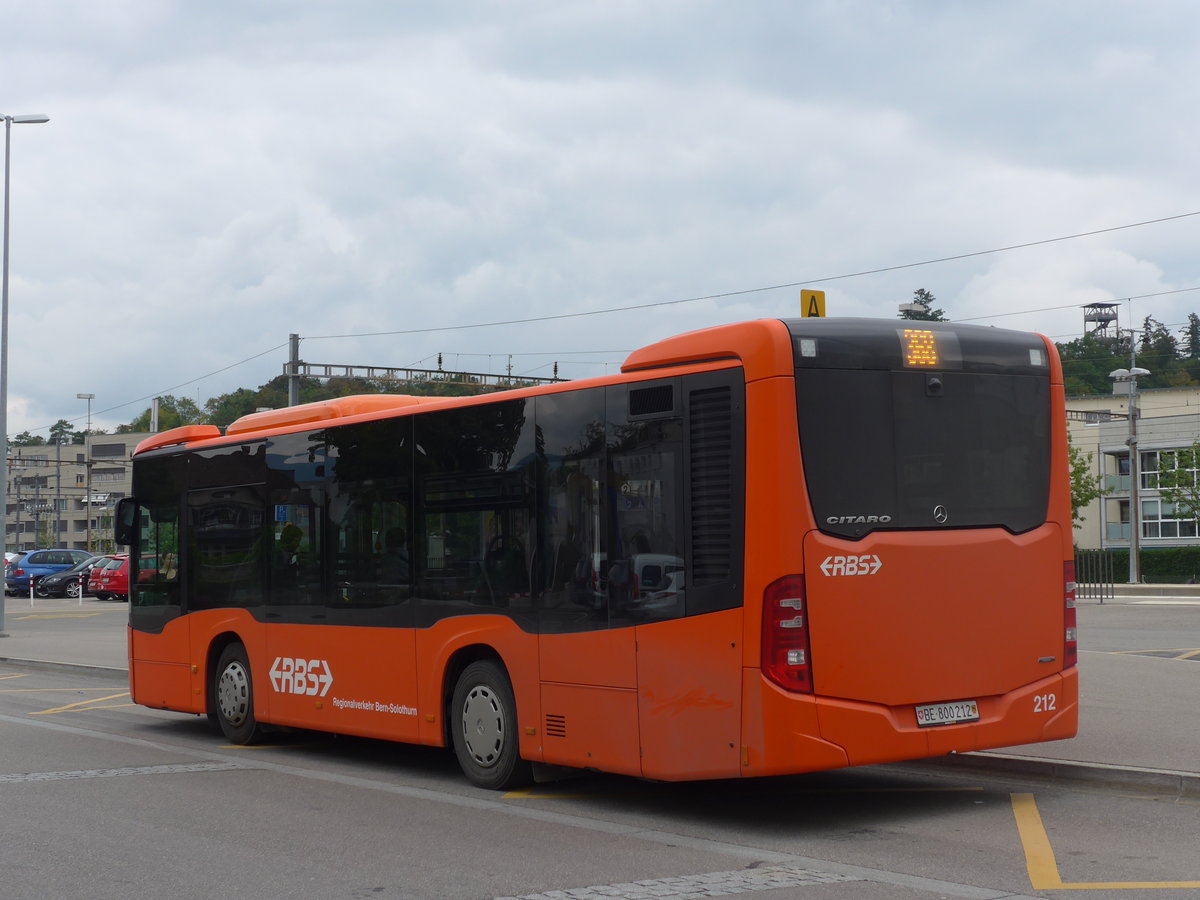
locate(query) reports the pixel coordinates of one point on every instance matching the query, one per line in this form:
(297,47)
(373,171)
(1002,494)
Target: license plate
(947,713)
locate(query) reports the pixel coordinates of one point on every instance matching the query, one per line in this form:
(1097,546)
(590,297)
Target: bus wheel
(483,722)
(233,695)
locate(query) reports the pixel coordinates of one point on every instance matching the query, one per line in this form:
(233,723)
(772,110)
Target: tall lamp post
(87,462)
(35,119)
(1135,511)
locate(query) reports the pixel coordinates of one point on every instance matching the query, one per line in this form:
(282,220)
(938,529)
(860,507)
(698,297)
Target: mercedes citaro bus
(770,547)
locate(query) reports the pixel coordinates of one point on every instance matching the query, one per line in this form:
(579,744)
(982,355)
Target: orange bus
(770,547)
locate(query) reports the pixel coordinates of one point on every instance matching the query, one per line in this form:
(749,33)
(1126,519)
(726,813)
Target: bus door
(588,665)
(159,641)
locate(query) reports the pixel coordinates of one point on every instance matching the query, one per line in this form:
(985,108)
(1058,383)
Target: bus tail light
(786,659)
(1071,633)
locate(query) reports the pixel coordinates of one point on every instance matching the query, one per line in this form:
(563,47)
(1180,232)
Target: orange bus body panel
(373,692)
(777,511)
(591,727)
(764,348)
(599,658)
(875,734)
(159,674)
(947,615)
(689,686)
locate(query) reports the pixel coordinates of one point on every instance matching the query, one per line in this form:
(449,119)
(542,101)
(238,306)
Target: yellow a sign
(812,304)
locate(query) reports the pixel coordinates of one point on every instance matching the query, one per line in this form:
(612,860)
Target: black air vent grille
(652,401)
(556,725)
(711,458)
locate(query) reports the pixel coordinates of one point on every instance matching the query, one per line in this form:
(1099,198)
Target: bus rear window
(897,446)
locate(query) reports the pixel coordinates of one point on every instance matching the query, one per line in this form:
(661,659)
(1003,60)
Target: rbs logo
(867,564)
(301,676)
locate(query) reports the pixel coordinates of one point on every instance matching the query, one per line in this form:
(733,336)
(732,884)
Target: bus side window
(157,564)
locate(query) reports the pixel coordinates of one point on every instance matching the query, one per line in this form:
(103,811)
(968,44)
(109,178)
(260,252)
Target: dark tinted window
(914,449)
(570,557)
(227,547)
(645,566)
(370,522)
(475,494)
(296,476)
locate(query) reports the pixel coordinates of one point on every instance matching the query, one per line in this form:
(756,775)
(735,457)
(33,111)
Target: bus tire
(233,696)
(483,725)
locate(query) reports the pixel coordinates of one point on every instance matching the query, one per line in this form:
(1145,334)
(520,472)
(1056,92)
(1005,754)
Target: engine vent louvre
(556,725)
(711,458)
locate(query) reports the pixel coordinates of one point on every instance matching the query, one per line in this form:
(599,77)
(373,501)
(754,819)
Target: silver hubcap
(233,693)
(483,725)
(73,589)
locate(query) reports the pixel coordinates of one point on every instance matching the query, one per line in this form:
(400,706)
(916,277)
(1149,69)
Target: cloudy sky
(390,179)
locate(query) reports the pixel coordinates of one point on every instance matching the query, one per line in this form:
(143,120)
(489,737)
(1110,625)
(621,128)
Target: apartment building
(1168,419)
(62,495)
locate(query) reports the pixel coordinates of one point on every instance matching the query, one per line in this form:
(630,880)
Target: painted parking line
(1043,867)
(1180,653)
(83,705)
(709,884)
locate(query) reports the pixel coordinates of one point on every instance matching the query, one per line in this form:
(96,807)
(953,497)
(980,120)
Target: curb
(1182,784)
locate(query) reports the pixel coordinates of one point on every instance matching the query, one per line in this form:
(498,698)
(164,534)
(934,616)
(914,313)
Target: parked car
(72,582)
(38,563)
(110,578)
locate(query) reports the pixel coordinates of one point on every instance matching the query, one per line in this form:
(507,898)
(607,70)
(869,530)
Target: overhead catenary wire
(673,302)
(775,287)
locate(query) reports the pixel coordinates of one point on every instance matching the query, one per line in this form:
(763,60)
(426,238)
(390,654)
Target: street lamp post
(1135,512)
(87,462)
(36,119)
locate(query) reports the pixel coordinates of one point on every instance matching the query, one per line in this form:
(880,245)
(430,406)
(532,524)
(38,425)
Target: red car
(110,580)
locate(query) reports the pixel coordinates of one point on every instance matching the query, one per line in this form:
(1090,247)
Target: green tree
(925,312)
(1085,483)
(1087,361)
(172,412)
(1191,337)
(61,432)
(224,409)
(26,439)
(1177,483)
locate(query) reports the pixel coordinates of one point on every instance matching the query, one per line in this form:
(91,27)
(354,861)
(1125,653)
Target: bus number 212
(1044,703)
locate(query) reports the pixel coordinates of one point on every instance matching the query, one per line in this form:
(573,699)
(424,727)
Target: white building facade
(54,502)
(1168,420)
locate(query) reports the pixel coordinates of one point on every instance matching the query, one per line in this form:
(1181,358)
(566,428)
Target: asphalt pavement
(1138,715)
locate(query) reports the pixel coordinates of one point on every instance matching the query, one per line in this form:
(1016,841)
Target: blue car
(36,563)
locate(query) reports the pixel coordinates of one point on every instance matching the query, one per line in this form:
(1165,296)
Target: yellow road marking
(1043,868)
(1183,652)
(81,703)
(10,677)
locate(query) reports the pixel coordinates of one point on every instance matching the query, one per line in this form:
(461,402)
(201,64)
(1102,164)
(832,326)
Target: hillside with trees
(1173,361)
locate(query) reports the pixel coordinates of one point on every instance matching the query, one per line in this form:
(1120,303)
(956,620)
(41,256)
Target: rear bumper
(797,733)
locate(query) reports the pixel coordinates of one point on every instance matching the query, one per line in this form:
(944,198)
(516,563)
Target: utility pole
(294,370)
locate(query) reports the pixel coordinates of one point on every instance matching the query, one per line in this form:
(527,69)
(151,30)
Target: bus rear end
(927,602)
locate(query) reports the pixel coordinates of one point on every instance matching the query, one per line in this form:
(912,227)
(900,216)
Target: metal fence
(1094,574)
